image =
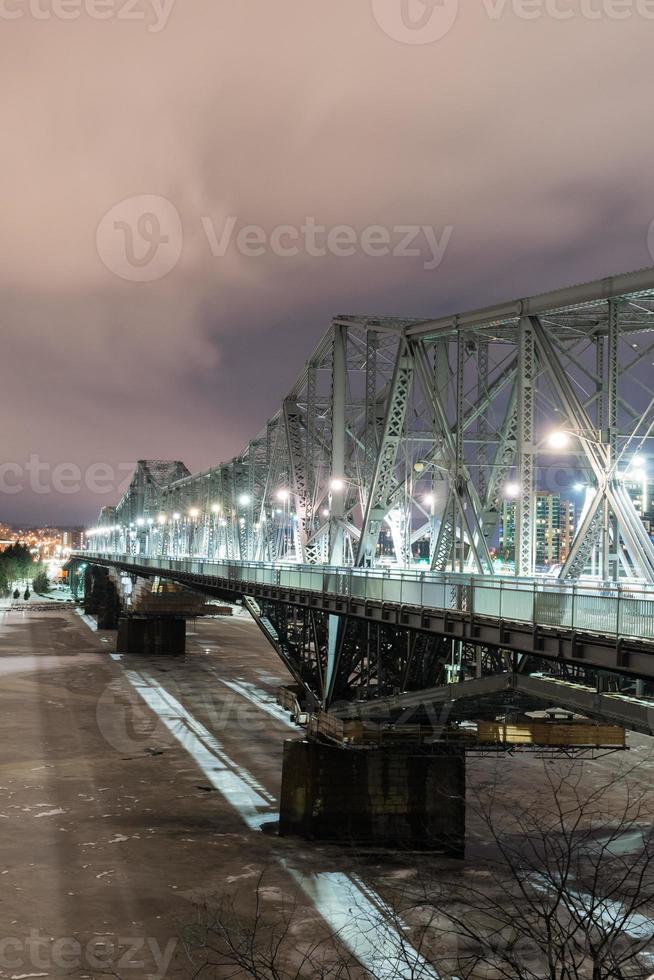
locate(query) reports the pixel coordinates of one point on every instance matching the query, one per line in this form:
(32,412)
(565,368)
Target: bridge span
(608,628)
(418,438)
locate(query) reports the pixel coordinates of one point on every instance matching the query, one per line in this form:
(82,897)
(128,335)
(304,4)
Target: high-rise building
(554,529)
(71,537)
(568,522)
(548,528)
(556,521)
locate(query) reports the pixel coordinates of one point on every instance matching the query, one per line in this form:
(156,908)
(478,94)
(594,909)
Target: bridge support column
(152,635)
(400,796)
(91,600)
(101,598)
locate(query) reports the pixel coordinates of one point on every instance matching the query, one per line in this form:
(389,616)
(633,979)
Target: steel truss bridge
(411,433)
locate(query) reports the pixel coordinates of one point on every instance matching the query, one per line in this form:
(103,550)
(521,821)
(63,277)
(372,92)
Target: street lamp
(560,438)
(512,490)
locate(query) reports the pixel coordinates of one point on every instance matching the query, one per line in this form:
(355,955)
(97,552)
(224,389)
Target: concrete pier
(101,598)
(398,796)
(151,635)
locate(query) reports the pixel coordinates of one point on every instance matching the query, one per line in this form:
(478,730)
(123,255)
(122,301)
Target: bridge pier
(101,598)
(411,797)
(152,635)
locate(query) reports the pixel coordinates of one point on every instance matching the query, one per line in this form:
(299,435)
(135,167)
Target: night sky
(530,139)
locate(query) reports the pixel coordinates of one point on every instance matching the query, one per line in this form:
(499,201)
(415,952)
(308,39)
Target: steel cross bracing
(401,436)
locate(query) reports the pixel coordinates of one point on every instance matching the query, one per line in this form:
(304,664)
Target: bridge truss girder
(403,434)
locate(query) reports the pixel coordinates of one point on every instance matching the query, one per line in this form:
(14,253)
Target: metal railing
(615,610)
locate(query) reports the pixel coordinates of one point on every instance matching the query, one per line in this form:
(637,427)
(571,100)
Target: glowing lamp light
(512,490)
(558,439)
(282,494)
(578,487)
(337,485)
(244,499)
(428,501)
(140,522)
(176,515)
(162,518)
(194,512)
(216,508)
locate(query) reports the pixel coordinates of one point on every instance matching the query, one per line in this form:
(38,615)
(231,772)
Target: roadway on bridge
(134,788)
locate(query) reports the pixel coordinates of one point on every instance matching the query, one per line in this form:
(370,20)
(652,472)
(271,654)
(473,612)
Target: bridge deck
(615,610)
(609,627)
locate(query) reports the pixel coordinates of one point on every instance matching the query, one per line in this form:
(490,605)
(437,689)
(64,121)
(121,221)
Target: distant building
(548,528)
(71,537)
(568,520)
(554,527)
(44,542)
(641,492)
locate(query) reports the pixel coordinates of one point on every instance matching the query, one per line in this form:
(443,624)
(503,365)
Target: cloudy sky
(141,139)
